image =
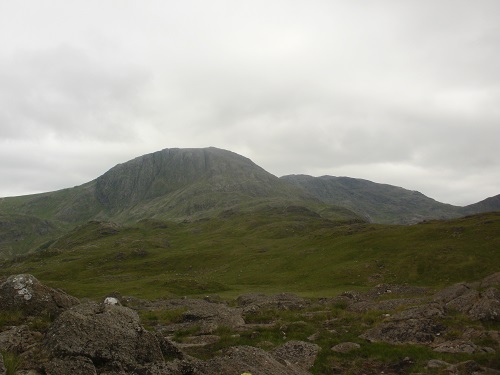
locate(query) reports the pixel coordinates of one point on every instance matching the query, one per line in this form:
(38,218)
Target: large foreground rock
(105,334)
(25,293)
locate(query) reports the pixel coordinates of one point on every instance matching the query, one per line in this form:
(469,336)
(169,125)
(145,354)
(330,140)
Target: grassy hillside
(271,250)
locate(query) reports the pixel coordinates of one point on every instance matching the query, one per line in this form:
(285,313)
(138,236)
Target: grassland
(271,250)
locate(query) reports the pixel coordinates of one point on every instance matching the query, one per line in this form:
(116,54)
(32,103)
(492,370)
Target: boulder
(487,306)
(18,339)
(284,301)
(491,281)
(298,353)
(106,334)
(241,359)
(437,363)
(346,347)
(25,293)
(70,365)
(417,325)
(457,346)
(452,292)
(484,305)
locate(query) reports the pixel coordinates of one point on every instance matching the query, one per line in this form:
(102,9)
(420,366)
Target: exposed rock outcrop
(477,304)
(417,325)
(70,365)
(346,347)
(25,293)
(284,301)
(241,359)
(106,334)
(297,353)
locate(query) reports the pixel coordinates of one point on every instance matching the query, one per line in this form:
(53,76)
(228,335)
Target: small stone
(436,363)
(345,347)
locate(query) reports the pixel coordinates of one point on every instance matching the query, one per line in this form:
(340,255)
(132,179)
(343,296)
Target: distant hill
(382,203)
(487,205)
(194,183)
(379,203)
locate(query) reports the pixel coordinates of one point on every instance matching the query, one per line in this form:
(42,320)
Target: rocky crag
(454,331)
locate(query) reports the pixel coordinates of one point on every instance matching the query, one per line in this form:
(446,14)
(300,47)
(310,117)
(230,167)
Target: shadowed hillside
(382,203)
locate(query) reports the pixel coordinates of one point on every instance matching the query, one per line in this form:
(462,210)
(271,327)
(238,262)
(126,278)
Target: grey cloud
(66,93)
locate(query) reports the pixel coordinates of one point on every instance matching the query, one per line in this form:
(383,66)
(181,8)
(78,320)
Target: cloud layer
(405,93)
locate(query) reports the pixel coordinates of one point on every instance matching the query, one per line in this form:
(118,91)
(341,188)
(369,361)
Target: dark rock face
(27,294)
(106,334)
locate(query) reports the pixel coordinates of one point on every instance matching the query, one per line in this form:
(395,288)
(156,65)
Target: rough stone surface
(452,292)
(240,359)
(17,339)
(437,363)
(24,292)
(491,281)
(70,365)
(487,307)
(346,347)
(103,333)
(416,325)
(478,305)
(387,305)
(457,346)
(284,301)
(297,353)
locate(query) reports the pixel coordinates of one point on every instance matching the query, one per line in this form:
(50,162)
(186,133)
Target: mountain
(382,203)
(488,205)
(176,184)
(191,184)
(379,203)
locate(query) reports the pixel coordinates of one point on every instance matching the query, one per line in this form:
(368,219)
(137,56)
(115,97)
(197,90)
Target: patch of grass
(10,318)
(151,318)
(11,362)
(181,334)
(270,251)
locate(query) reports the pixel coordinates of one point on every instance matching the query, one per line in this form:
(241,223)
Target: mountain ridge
(193,183)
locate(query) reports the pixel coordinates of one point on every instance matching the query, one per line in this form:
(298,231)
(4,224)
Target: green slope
(271,250)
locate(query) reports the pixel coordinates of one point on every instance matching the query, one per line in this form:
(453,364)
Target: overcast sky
(399,92)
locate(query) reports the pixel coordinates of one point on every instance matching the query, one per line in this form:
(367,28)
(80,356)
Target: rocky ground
(390,329)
